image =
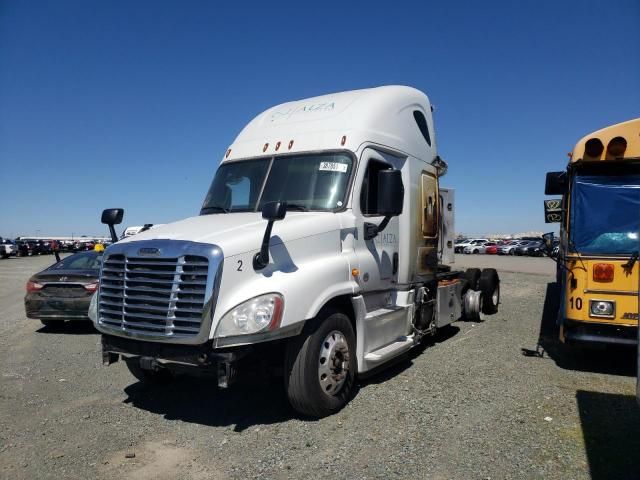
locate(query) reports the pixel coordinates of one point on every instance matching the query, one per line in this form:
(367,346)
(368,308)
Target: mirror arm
(261,259)
(112,231)
(371,230)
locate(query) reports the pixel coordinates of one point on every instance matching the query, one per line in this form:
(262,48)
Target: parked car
(479,247)
(459,248)
(63,291)
(535,249)
(521,249)
(8,249)
(26,249)
(509,248)
(491,249)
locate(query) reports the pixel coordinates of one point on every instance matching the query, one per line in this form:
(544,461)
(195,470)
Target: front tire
(320,366)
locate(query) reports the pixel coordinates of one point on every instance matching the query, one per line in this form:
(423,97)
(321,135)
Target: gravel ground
(477,403)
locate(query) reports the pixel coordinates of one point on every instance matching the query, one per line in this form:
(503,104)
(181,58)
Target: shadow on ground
(69,327)
(611,431)
(254,400)
(612,360)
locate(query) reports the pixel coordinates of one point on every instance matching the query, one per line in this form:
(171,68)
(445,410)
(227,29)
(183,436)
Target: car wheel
(512,252)
(472,275)
(149,377)
(320,365)
(490,288)
(475,252)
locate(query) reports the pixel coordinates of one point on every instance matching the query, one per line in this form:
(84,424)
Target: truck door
(377,258)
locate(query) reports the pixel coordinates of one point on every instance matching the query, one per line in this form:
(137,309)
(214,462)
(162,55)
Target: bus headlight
(259,314)
(602,308)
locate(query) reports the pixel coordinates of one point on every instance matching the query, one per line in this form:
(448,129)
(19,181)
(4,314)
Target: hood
(238,233)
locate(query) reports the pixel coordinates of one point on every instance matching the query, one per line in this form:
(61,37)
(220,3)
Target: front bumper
(57,308)
(598,333)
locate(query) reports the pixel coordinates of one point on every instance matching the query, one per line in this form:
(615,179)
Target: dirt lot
(477,403)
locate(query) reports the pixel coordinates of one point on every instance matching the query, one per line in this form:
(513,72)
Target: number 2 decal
(239,265)
(577,304)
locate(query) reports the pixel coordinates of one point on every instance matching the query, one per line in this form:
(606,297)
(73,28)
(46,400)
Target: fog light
(601,308)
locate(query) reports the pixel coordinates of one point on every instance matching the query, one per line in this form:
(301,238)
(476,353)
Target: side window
(429,206)
(421,121)
(368,195)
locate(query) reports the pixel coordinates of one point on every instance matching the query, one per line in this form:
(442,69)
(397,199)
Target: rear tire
(490,288)
(473,277)
(149,377)
(320,365)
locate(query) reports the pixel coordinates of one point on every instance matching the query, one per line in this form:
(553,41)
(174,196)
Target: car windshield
(305,182)
(601,222)
(79,261)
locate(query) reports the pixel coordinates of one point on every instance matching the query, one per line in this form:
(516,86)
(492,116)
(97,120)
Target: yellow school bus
(599,213)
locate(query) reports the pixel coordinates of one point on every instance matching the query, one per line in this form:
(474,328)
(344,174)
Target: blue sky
(132,104)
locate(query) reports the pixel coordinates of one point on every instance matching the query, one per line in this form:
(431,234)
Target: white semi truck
(322,251)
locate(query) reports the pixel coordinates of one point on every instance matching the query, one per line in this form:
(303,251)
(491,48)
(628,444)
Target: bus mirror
(555,183)
(112,216)
(553,211)
(548,241)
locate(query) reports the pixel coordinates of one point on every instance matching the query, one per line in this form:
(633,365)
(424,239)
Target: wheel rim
(333,363)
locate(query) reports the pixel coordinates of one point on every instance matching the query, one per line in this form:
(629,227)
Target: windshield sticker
(333,167)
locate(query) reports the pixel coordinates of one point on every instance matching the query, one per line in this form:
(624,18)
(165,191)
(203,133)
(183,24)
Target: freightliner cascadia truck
(321,253)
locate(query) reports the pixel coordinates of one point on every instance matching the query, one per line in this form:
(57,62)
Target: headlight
(260,314)
(601,308)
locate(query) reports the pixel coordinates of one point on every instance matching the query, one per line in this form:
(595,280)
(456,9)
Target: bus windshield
(605,214)
(305,182)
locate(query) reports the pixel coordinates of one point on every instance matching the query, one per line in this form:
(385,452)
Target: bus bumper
(598,333)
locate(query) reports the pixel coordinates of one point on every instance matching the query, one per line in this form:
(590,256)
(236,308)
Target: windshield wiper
(213,208)
(297,206)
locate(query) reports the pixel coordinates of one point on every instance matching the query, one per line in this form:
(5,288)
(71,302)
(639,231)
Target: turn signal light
(33,286)
(91,287)
(603,272)
(617,147)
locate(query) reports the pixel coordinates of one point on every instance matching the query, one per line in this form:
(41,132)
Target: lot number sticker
(333,167)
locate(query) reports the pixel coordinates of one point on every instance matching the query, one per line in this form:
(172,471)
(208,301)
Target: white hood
(238,233)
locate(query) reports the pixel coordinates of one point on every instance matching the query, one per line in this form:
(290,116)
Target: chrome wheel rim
(333,363)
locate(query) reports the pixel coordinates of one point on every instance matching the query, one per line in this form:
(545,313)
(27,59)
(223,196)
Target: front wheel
(320,366)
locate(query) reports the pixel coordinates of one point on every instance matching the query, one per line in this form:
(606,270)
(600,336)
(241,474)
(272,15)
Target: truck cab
(323,248)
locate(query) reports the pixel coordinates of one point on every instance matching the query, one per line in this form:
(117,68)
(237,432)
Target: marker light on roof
(617,146)
(290,144)
(228,153)
(344,140)
(277,146)
(593,148)
(266,145)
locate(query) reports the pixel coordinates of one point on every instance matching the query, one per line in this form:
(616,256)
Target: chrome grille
(153,296)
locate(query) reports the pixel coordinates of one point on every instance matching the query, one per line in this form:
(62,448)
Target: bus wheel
(490,287)
(321,366)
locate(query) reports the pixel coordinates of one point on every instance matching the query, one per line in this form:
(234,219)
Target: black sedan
(63,291)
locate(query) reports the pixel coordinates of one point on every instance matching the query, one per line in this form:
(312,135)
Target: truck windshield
(605,214)
(305,182)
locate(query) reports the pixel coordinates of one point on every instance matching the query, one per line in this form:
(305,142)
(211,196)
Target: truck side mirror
(555,183)
(390,198)
(553,210)
(111,217)
(390,193)
(272,212)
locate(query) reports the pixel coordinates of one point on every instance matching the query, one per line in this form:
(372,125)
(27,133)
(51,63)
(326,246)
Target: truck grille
(153,296)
